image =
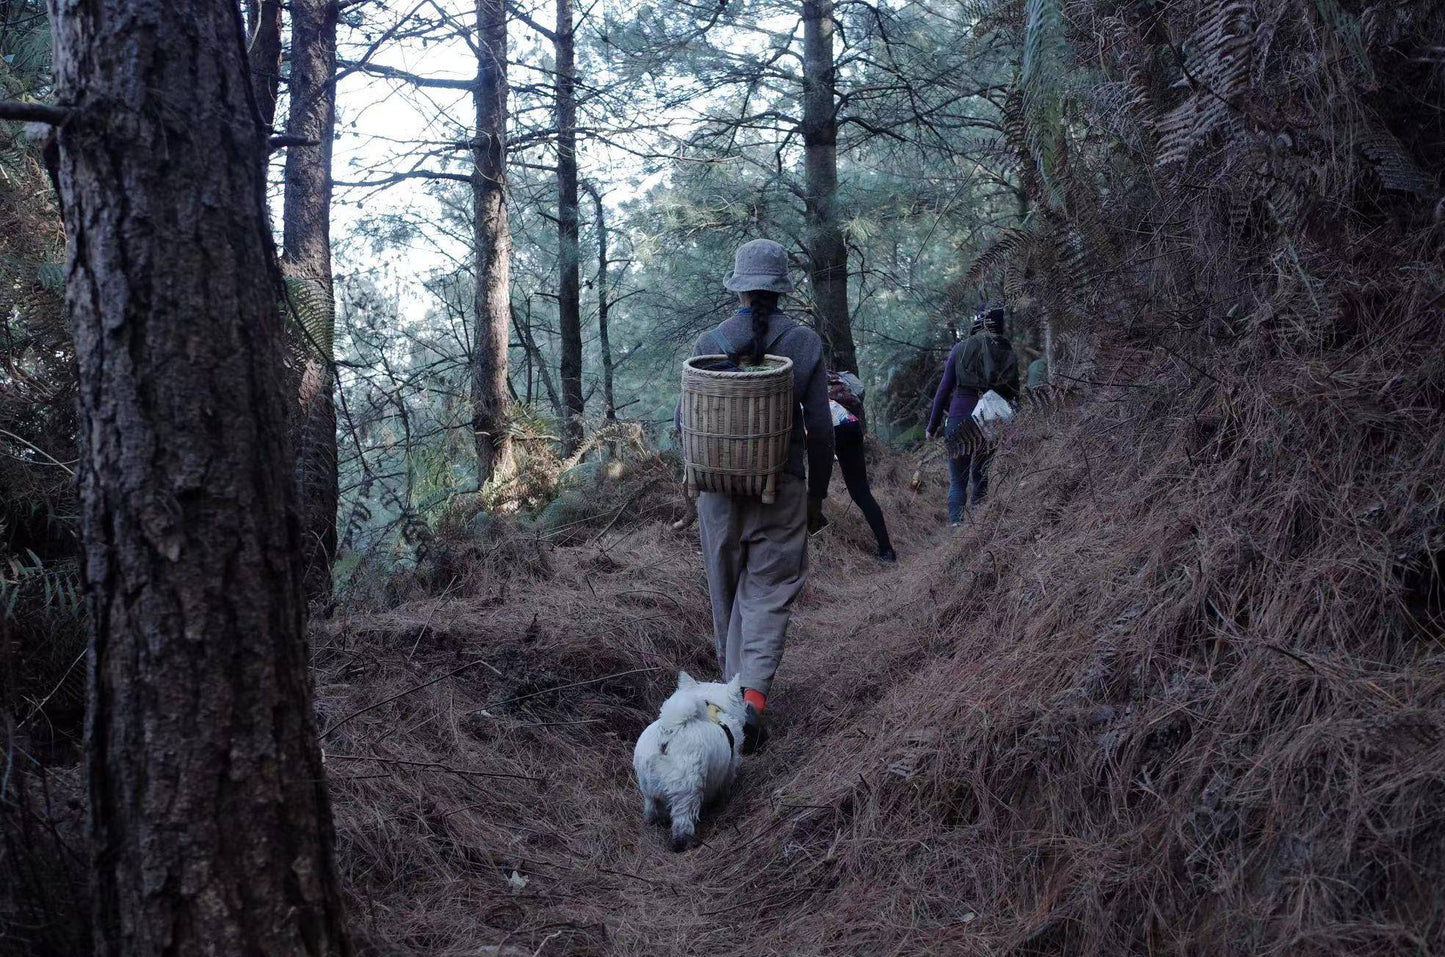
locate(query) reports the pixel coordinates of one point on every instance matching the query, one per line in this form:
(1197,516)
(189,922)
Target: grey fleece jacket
(810,388)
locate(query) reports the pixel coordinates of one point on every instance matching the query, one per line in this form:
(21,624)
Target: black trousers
(848,442)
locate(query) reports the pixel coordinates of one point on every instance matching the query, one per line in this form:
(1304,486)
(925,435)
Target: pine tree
(209,818)
(492,306)
(307,243)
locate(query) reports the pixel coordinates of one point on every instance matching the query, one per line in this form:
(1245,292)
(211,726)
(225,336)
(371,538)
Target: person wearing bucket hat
(756,555)
(983,361)
(760,266)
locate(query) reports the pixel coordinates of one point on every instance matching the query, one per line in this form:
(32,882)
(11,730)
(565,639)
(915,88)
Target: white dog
(689,755)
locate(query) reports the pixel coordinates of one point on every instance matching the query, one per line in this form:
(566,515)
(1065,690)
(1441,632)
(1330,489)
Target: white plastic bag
(990,407)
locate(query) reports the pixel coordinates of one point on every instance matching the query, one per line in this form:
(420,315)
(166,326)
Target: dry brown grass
(1178,688)
(1192,701)
(519,759)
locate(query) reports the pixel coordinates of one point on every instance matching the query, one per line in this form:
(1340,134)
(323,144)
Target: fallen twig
(634,497)
(430,615)
(574,684)
(431,765)
(401,694)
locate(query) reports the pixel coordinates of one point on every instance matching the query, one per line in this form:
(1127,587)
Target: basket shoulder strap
(722,344)
(779,337)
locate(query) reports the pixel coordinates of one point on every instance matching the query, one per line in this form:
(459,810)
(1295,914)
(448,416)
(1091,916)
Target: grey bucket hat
(760,265)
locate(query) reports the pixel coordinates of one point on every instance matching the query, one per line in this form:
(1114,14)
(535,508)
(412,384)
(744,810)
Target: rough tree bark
(492,309)
(209,821)
(827,252)
(569,285)
(264,54)
(609,402)
(307,244)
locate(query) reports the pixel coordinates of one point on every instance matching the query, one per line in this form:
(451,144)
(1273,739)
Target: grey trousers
(756,557)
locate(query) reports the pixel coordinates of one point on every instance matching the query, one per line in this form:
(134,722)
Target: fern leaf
(309,303)
(1218,70)
(1012,242)
(1041,86)
(1394,166)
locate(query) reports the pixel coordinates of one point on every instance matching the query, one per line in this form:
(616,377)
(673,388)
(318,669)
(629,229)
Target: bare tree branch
(392,73)
(286,139)
(526,18)
(410,174)
(22,112)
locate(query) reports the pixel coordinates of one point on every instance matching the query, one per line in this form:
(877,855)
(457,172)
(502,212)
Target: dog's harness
(714,715)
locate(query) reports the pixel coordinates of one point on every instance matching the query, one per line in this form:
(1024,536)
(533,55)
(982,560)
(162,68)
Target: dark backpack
(992,355)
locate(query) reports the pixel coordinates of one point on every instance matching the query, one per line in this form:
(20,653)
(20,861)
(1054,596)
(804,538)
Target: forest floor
(1166,691)
(444,857)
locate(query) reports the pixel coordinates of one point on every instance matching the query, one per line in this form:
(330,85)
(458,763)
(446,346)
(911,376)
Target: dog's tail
(679,710)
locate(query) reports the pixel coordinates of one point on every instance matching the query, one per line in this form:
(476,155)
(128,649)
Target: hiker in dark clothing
(983,361)
(845,400)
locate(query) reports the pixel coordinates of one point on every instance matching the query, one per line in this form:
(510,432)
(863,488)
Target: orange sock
(755,698)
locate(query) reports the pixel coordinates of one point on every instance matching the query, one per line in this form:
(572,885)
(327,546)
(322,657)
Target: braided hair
(762,304)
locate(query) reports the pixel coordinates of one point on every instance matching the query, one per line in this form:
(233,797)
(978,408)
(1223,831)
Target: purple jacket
(959,402)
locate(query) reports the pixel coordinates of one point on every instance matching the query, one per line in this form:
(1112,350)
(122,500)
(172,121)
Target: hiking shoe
(755,732)
(887,555)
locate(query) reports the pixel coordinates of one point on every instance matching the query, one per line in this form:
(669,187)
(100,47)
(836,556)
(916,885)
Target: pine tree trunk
(264,53)
(569,286)
(609,402)
(307,242)
(827,252)
(491,412)
(209,820)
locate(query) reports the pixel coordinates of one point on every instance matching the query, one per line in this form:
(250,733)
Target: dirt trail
(855,629)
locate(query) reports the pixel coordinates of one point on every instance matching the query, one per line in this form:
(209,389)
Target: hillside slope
(1174,689)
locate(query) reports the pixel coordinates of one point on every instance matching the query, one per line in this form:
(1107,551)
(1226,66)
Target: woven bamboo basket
(736,426)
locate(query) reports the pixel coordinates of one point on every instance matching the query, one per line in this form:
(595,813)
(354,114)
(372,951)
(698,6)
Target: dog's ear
(685,680)
(735,686)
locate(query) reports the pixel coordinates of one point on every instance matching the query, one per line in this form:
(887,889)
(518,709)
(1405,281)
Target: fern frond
(1218,65)
(1117,106)
(989,14)
(1010,243)
(993,147)
(310,304)
(1015,272)
(1041,87)
(1015,134)
(1396,169)
(51,276)
(54,585)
